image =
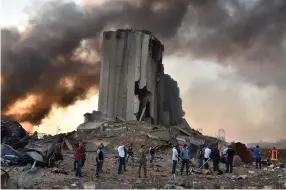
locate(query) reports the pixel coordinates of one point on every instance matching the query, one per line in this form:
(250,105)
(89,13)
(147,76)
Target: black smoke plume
(250,36)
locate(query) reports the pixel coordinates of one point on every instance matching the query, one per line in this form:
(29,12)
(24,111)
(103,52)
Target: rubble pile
(49,162)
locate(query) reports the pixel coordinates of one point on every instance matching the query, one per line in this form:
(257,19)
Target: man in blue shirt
(185,161)
(257,156)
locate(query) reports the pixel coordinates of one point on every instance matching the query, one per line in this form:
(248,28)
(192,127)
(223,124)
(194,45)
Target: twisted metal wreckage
(18,148)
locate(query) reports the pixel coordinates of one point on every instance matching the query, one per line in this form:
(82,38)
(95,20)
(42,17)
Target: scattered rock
(201,171)
(242,177)
(57,170)
(237,161)
(138,181)
(28,178)
(181,138)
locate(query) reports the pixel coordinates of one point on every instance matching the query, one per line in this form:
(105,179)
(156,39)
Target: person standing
(121,154)
(257,156)
(124,163)
(274,155)
(99,160)
(74,163)
(179,152)
(142,162)
(152,154)
(229,159)
(83,154)
(185,161)
(224,154)
(200,157)
(215,157)
(175,157)
(130,153)
(102,149)
(207,154)
(79,159)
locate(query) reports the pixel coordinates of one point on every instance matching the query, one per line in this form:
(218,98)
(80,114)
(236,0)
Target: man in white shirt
(224,153)
(207,154)
(121,154)
(175,159)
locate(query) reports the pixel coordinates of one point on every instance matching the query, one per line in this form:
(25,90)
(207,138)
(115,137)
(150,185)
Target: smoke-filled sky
(227,56)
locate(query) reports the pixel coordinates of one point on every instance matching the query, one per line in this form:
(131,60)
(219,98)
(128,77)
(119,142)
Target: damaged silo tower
(131,70)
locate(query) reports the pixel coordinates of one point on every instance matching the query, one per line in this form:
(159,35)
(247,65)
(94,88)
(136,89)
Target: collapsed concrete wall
(131,68)
(171,104)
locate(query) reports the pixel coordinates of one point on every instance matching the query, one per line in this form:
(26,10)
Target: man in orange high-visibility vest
(273,154)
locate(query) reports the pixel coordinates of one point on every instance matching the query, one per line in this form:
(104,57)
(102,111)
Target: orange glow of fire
(65,118)
(27,126)
(67,82)
(92,3)
(21,106)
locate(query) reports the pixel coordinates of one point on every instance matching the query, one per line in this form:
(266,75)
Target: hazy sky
(213,96)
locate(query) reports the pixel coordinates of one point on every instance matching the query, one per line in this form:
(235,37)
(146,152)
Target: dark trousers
(121,163)
(185,162)
(102,166)
(78,168)
(229,166)
(201,162)
(130,155)
(99,167)
(175,162)
(258,162)
(143,164)
(74,165)
(124,164)
(215,164)
(206,164)
(152,158)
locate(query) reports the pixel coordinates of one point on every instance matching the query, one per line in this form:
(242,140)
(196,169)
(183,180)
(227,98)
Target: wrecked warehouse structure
(133,85)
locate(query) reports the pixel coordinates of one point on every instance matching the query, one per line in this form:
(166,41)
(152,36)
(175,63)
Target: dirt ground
(158,177)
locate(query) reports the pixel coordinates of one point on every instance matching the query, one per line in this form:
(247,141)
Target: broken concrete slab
(182,138)
(68,143)
(159,135)
(94,116)
(90,125)
(28,178)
